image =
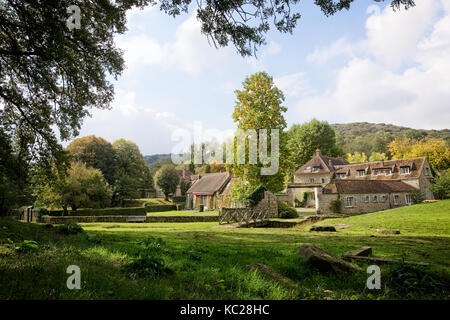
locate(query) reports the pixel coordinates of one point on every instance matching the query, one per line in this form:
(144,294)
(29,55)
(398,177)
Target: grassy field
(209,262)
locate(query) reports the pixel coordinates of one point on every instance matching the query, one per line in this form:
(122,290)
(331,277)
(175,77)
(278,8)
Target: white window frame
(358,172)
(383,198)
(388,172)
(397,199)
(315,169)
(366,199)
(374,199)
(341,175)
(351,202)
(312,180)
(403,168)
(408,196)
(375,172)
(324,180)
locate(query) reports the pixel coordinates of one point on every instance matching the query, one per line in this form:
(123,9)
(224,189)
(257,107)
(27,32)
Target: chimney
(382,162)
(330,163)
(318,152)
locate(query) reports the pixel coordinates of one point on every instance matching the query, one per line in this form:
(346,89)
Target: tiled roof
(369,186)
(324,163)
(209,182)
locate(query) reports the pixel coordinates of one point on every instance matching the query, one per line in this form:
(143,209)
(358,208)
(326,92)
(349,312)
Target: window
(374,199)
(312,180)
(408,199)
(383,198)
(315,169)
(349,202)
(361,173)
(340,175)
(396,199)
(375,172)
(366,199)
(323,180)
(427,171)
(388,172)
(404,170)
(308,169)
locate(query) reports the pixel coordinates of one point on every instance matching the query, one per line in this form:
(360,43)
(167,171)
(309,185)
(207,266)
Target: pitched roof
(323,163)
(367,186)
(415,165)
(226,190)
(210,182)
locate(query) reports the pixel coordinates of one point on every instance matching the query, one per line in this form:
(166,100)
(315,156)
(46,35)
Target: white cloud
(400,73)
(164,115)
(295,84)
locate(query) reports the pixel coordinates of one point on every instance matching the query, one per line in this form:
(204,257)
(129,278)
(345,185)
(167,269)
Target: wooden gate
(243,216)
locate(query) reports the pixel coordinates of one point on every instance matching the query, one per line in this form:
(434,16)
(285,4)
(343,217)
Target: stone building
(386,183)
(206,189)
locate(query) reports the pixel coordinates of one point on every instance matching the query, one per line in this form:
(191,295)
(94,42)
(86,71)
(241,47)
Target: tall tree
(303,140)
(95,152)
(167,179)
(259,106)
(131,171)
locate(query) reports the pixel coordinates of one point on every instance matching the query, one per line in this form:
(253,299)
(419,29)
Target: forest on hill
(375,137)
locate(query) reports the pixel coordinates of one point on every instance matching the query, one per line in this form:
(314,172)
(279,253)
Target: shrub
(130,203)
(441,186)
(70,228)
(286,211)
(160,208)
(336,206)
(41,211)
(24,246)
(256,196)
(181,199)
(417,197)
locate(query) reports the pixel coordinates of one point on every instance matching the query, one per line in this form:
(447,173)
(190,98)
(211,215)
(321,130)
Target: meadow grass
(209,262)
(183,213)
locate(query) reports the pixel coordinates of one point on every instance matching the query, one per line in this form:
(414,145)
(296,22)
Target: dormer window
(308,169)
(405,170)
(375,172)
(315,169)
(388,172)
(361,173)
(340,175)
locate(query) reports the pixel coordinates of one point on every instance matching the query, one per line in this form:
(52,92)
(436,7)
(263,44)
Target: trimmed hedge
(285,211)
(179,199)
(160,208)
(137,211)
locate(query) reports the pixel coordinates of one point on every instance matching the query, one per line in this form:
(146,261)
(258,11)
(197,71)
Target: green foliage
(301,203)
(148,263)
(70,228)
(256,196)
(303,140)
(82,187)
(286,211)
(24,246)
(184,187)
(131,173)
(180,199)
(240,190)
(160,208)
(95,152)
(336,206)
(167,179)
(259,106)
(356,157)
(441,186)
(414,281)
(417,197)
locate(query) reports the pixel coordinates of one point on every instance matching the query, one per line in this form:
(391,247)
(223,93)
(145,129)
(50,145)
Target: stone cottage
(206,189)
(362,187)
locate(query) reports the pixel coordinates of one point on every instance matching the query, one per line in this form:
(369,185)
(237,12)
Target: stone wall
(268,204)
(117,219)
(361,206)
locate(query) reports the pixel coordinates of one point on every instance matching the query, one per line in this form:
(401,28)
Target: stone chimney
(382,162)
(318,152)
(330,163)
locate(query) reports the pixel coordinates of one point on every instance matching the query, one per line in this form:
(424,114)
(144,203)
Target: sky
(368,64)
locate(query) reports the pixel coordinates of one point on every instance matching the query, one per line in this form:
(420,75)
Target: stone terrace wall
(269,204)
(154,219)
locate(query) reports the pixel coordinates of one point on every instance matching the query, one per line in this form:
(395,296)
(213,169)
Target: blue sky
(367,64)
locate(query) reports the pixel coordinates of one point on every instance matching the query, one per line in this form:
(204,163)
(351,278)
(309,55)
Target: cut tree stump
(323,228)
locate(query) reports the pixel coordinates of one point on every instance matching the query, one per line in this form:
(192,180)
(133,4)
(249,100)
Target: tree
(436,150)
(95,152)
(167,179)
(132,173)
(258,106)
(377,156)
(306,138)
(82,187)
(356,157)
(441,186)
(240,190)
(217,167)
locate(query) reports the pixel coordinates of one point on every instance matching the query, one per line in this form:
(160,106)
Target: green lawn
(208,262)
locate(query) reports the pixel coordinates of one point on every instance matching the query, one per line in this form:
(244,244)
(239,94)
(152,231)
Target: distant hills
(374,137)
(358,136)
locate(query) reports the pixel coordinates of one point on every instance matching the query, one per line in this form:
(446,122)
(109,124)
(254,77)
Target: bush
(285,211)
(256,196)
(181,199)
(24,246)
(160,208)
(130,203)
(441,186)
(70,228)
(417,197)
(336,206)
(41,211)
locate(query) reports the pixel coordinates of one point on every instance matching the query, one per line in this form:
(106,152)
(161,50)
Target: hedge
(160,208)
(137,211)
(179,199)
